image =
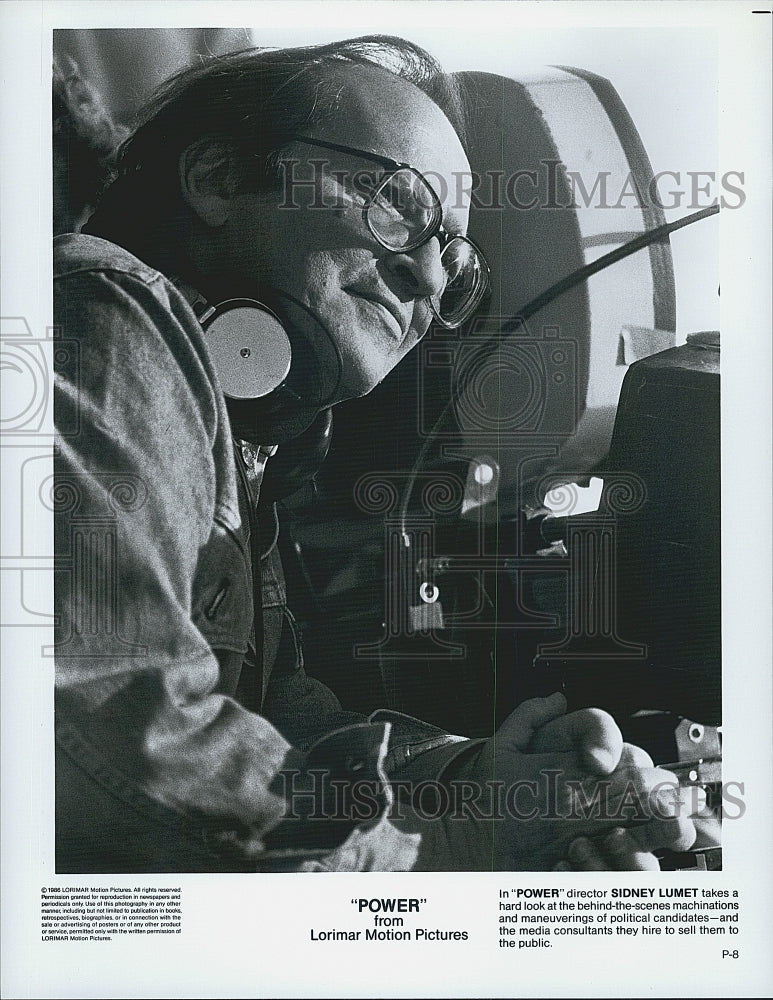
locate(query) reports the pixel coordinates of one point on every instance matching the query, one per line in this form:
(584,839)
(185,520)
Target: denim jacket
(160,766)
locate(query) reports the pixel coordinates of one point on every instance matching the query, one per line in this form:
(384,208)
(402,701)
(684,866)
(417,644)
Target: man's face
(372,302)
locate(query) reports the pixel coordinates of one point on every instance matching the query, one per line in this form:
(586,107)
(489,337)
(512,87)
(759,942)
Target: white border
(247,935)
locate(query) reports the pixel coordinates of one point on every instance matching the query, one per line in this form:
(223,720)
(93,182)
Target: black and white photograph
(379,500)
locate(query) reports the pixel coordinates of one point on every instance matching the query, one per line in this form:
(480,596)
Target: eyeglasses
(403,213)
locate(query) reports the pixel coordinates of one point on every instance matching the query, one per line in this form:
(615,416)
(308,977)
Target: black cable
(588,270)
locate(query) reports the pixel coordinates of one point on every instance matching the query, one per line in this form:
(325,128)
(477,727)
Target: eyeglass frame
(444,237)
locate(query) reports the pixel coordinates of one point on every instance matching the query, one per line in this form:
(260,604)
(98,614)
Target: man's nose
(416,274)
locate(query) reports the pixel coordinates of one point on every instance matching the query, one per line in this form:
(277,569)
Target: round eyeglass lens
(465,282)
(402,210)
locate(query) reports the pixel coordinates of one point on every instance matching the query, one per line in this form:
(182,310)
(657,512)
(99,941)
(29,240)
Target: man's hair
(85,141)
(252,104)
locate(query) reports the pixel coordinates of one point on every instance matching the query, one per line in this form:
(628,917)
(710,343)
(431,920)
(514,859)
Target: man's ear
(206,181)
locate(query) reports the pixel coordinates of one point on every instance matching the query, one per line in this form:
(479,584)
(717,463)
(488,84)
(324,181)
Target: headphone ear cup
(249,347)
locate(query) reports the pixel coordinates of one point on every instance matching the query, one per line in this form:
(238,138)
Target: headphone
(249,347)
(270,374)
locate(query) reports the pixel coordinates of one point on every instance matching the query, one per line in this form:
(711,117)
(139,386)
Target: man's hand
(557,791)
